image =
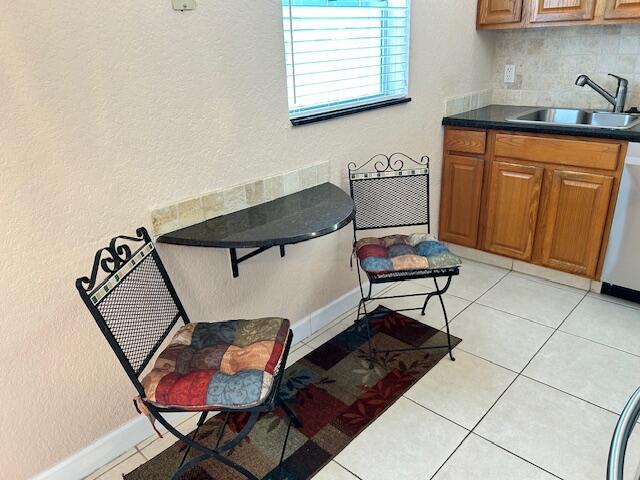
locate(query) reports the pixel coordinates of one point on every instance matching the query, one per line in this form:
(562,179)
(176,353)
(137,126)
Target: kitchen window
(344,56)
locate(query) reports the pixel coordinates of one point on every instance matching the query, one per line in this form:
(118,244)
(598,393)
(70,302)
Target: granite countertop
(494,117)
(294,218)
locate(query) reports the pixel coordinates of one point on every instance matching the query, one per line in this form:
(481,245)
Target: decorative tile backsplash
(468,101)
(548,61)
(220,202)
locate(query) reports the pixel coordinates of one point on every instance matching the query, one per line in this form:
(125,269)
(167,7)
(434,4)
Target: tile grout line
(140,452)
(549,283)
(492,286)
(487,290)
(471,302)
(433,411)
(584,294)
(558,328)
(545,282)
(345,315)
(599,343)
(135,452)
(520,373)
(519,316)
(508,386)
(345,468)
(518,456)
(484,359)
(570,394)
(605,298)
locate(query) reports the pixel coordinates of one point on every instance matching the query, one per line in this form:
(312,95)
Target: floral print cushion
(227,364)
(404,252)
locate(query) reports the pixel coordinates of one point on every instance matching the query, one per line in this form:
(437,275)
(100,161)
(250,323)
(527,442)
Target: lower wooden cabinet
(622,9)
(512,209)
(543,199)
(575,220)
(461,198)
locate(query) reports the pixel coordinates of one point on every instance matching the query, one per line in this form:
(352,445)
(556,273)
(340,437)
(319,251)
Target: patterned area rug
(332,391)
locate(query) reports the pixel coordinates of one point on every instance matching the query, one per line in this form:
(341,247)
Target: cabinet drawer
(560,151)
(465,141)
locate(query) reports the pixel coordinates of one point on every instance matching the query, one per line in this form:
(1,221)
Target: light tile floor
(540,378)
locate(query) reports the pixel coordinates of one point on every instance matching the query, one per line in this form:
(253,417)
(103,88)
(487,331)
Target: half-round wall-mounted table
(287,220)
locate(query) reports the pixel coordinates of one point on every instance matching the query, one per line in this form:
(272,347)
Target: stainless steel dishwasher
(621,274)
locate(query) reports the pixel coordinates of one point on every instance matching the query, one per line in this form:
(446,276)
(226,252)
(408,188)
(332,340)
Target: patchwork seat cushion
(228,364)
(404,252)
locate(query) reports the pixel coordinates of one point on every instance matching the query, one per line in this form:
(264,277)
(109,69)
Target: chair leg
(426,301)
(207,453)
(284,448)
(444,311)
(201,420)
(362,306)
(372,350)
(222,428)
(292,416)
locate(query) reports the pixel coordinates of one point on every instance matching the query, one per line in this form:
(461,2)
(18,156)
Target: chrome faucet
(620,98)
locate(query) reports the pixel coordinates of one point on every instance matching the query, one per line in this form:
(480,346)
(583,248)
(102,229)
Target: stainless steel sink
(577,118)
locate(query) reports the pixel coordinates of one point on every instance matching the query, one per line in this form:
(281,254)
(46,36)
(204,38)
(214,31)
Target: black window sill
(319,117)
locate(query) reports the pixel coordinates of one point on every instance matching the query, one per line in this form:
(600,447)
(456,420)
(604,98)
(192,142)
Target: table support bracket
(235,260)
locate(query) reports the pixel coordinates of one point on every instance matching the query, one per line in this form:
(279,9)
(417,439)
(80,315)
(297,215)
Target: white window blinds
(345,53)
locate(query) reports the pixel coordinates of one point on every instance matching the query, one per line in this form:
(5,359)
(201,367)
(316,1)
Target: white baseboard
(545,273)
(325,315)
(105,449)
(127,436)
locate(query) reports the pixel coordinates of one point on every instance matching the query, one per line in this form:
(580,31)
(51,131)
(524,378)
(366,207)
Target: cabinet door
(460,199)
(575,221)
(491,12)
(512,209)
(622,9)
(562,10)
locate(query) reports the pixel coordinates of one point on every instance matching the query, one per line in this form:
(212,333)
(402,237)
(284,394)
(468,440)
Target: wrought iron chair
(136,307)
(388,195)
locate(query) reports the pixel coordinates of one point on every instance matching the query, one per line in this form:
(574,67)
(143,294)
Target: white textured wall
(548,61)
(111,108)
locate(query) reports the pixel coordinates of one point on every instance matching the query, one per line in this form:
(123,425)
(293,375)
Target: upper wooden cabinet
(575,220)
(500,14)
(562,10)
(492,12)
(622,9)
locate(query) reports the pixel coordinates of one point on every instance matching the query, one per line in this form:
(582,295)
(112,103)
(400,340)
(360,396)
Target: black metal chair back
(389,194)
(132,300)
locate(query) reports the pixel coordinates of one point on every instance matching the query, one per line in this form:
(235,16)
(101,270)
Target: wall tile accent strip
(221,202)
(548,61)
(468,101)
